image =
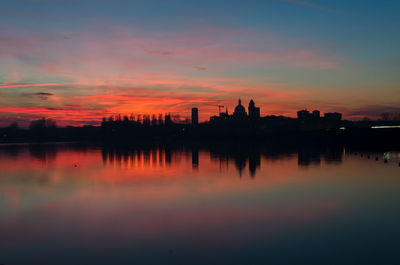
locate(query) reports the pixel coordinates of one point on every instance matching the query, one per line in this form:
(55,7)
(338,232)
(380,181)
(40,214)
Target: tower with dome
(254,112)
(240,111)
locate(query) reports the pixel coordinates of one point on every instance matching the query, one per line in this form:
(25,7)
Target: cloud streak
(29,85)
(200,68)
(312,5)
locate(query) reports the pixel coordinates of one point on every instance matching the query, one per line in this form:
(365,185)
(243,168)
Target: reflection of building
(254,162)
(195,158)
(240,162)
(308,156)
(254,112)
(242,156)
(312,155)
(195,116)
(240,111)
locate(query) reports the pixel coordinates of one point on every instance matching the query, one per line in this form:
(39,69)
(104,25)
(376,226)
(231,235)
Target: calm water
(61,204)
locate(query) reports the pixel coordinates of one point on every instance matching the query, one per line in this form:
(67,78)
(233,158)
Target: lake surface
(65,204)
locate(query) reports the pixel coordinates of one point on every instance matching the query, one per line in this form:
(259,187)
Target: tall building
(195,116)
(335,116)
(240,111)
(254,112)
(316,114)
(303,115)
(332,120)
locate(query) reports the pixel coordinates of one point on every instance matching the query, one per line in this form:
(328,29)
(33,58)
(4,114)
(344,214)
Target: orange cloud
(123,71)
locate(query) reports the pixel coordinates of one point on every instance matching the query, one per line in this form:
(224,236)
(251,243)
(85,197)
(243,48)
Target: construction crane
(219,109)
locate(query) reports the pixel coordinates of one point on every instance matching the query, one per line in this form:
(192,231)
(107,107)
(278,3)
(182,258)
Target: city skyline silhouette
(227,132)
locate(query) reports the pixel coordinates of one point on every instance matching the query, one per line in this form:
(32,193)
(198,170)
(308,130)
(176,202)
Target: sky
(78,60)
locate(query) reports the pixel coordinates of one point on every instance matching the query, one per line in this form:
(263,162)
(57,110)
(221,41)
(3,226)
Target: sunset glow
(77,61)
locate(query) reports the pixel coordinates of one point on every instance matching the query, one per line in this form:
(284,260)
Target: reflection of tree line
(44,153)
(148,157)
(168,156)
(40,152)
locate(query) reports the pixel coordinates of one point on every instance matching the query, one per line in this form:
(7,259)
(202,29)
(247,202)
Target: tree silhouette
(43,124)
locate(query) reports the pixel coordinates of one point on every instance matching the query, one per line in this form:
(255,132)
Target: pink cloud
(122,71)
(200,68)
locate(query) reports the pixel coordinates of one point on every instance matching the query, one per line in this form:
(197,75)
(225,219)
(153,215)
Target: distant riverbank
(357,137)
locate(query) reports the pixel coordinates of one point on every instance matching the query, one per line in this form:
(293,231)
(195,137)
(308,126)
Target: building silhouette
(333,116)
(239,114)
(242,125)
(195,116)
(316,114)
(240,111)
(254,112)
(224,115)
(304,115)
(314,121)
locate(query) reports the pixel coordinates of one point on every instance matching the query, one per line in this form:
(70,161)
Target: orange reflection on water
(109,199)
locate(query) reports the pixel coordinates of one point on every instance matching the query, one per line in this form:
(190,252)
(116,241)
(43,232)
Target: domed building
(240,111)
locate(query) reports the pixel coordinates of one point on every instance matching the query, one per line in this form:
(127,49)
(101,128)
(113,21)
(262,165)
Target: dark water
(62,204)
